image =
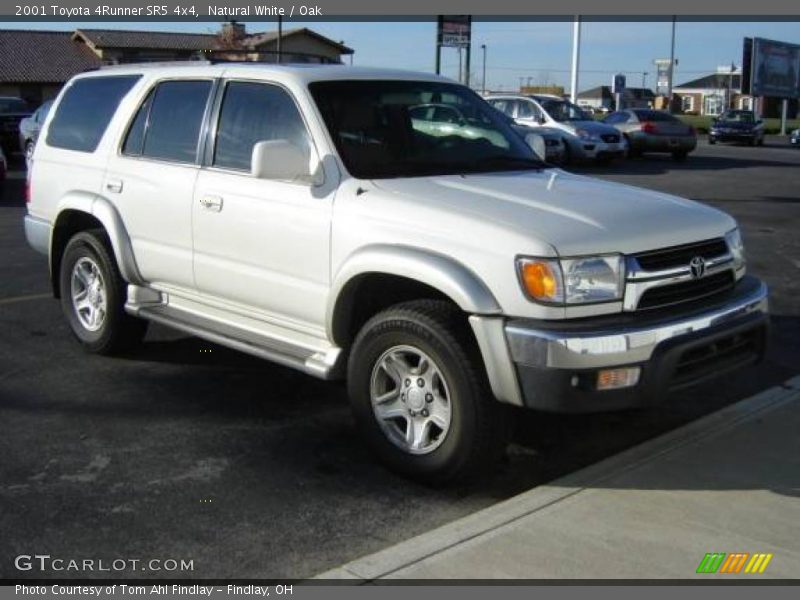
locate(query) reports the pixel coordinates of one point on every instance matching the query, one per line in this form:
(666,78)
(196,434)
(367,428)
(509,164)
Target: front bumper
(584,149)
(557,363)
(733,136)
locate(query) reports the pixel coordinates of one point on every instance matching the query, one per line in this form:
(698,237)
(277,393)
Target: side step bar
(318,364)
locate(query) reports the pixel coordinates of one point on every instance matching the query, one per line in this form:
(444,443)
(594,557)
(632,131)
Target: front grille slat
(687,291)
(679,256)
(725,353)
(610,138)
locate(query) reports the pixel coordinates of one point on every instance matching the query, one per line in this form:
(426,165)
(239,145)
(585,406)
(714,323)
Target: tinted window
(175,118)
(86,110)
(617,117)
(12,105)
(41,113)
(134,142)
(255,112)
(504,106)
(655,115)
(524,110)
(374,128)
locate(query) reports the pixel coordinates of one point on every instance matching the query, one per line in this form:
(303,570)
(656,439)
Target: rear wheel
(29,147)
(420,396)
(712,141)
(93,296)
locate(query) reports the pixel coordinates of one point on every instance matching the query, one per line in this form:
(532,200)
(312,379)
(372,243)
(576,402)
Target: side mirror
(281,160)
(536,143)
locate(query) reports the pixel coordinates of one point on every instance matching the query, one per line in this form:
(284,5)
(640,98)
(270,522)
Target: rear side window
(656,115)
(255,112)
(86,110)
(167,124)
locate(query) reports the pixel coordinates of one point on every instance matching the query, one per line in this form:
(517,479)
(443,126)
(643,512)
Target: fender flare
(105,212)
(441,272)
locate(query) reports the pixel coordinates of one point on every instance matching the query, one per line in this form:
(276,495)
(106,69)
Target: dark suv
(12,111)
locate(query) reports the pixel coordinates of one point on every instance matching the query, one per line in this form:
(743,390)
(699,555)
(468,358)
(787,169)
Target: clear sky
(537,50)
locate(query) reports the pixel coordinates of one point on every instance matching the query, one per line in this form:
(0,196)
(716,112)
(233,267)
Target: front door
(261,243)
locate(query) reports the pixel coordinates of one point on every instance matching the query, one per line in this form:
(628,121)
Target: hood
(573,214)
(593,127)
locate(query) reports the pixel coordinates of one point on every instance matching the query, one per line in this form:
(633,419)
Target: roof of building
(714,81)
(162,40)
(42,56)
(604,92)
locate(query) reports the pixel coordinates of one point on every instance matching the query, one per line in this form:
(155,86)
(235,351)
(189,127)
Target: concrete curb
(404,554)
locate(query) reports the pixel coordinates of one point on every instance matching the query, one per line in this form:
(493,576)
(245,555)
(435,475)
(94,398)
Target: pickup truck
(310,216)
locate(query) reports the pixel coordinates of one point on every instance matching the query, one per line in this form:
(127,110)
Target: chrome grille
(679,256)
(687,291)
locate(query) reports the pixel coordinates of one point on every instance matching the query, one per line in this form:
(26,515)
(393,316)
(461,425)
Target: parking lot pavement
(187,450)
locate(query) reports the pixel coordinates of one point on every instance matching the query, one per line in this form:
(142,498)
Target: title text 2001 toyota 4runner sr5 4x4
(334,220)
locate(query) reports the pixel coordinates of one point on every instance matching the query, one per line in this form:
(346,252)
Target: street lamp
(483,83)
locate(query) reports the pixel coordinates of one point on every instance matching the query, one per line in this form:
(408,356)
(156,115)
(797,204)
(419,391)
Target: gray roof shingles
(42,56)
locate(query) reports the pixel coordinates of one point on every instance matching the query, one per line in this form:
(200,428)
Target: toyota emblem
(697,266)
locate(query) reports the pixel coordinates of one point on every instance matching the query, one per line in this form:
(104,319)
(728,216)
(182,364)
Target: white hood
(574,214)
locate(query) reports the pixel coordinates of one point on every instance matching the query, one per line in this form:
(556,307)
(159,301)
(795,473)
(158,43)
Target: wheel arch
(79,211)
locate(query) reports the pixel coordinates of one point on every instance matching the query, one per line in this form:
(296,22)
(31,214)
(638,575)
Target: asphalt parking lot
(186,450)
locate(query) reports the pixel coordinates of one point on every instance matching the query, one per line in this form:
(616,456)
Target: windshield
(386,129)
(561,110)
(12,105)
(738,116)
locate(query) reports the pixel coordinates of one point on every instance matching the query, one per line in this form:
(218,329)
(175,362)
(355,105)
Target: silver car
(650,130)
(584,138)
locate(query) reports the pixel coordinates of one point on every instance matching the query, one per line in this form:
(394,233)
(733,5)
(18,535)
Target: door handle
(114,186)
(212,203)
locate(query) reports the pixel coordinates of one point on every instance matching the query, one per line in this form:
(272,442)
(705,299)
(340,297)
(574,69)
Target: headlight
(580,280)
(585,135)
(736,246)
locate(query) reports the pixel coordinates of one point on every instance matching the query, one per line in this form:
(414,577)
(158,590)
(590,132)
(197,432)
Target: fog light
(613,379)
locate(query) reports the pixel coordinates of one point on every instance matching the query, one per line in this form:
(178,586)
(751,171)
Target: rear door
(151,176)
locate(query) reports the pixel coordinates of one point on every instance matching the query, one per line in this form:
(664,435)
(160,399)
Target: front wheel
(93,296)
(420,396)
(712,141)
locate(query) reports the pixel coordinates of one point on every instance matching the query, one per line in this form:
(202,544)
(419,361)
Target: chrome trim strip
(634,290)
(636,273)
(596,349)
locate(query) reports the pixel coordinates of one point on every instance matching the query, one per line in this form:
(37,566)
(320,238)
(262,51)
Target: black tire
(567,158)
(479,427)
(117,331)
(679,155)
(712,141)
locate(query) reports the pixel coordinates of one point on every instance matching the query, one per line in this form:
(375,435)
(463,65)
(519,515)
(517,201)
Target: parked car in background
(12,111)
(29,128)
(584,138)
(794,139)
(737,126)
(554,148)
(648,130)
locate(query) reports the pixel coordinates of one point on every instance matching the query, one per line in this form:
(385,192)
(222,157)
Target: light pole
(483,80)
(576,57)
(671,66)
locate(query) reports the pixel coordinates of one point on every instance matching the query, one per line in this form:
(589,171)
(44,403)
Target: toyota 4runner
(319,218)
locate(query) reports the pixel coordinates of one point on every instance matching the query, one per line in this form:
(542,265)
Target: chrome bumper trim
(574,349)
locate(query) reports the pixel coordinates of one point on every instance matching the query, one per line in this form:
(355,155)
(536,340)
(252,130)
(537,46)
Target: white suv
(319,217)
(584,138)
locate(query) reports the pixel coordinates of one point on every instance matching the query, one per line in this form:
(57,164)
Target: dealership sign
(771,68)
(455,30)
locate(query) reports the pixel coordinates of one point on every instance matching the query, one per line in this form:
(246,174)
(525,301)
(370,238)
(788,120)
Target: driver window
(255,112)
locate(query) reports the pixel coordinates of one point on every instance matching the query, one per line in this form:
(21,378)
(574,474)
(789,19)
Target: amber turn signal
(541,279)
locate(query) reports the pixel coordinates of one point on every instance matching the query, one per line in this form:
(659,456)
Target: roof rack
(166,63)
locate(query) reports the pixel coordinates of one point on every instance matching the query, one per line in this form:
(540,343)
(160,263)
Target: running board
(319,364)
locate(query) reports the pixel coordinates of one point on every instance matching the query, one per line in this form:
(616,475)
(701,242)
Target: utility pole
(278,42)
(460,65)
(576,56)
(671,66)
(644,79)
(483,79)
